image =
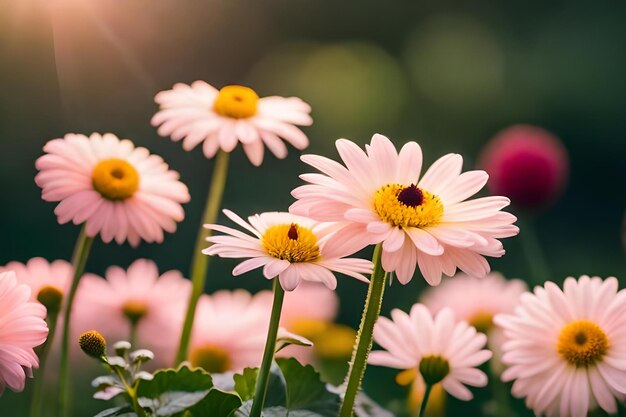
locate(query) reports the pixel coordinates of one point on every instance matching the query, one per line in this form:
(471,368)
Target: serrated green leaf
(245,385)
(294,390)
(306,391)
(115,411)
(217,403)
(172,402)
(182,379)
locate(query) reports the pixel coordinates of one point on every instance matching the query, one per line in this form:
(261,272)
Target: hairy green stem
(429,388)
(200,261)
(268,355)
(79,259)
(37,400)
(363,344)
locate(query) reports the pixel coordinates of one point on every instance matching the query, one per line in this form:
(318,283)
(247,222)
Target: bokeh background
(447,74)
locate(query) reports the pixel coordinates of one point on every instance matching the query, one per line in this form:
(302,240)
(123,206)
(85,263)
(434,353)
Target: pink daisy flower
(200,113)
(440,348)
(565,348)
(44,278)
(527,164)
(229,330)
(140,296)
(118,191)
(309,311)
(476,300)
(22,327)
(294,248)
(420,221)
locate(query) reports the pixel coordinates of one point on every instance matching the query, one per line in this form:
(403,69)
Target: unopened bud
(51,297)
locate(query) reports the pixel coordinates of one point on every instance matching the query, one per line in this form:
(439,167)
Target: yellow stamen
(212,358)
(582,343)
(134,310)
(279,242)
(115,179)
(236,101)
(410,206)
(482,321)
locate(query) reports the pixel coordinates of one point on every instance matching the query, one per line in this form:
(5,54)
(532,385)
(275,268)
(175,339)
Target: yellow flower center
(308,328)
(236,101)
(134,310)
(409,206)
(291,242)
(212,358)
(115,179)
(482,321)
(582,343)
(335,342)
(51,297)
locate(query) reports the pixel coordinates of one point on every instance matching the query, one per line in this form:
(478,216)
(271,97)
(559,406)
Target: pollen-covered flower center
(236,101)
(115,179)
(134,310)
(482,321)
(409,206)
(582,343)
(291,242)
(212,358)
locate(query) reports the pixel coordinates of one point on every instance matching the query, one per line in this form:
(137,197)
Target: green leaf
(182,379)
(245,385)
(217,403)
(113,412)
(305,389)
(174,391)
(173,402)
(294,390)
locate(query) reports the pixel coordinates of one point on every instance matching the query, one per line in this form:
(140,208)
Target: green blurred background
(447,74)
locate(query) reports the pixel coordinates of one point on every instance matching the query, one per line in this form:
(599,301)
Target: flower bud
(93,344)
(121,347)
(434,369)
(527,164)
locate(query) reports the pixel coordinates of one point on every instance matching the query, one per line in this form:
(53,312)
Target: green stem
(429,388)
(79,259)
(37,400)
(268,354)
(364,337)
(131,391)
(534,254)
(133,333)
(200,261)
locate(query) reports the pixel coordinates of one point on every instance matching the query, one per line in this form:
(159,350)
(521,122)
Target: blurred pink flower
(118,190)
(156,303)
(566,348)
(527,164)
(46,280)
(39,274)
(199,113)
(308,311)
(434,346)
(230,330)
(425,221)
(294,248)
(22,327)
(476,300)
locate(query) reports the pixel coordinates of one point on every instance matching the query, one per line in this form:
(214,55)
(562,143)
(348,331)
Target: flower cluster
(563,349)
